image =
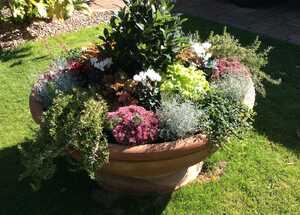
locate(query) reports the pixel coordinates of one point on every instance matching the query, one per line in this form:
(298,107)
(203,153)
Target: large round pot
(161,167)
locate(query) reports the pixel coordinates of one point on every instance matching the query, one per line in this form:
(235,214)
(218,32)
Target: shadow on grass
(278,115)
(17,55)
(67,193)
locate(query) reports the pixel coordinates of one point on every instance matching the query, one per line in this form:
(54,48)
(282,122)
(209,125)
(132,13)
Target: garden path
(106,5)
(281,21)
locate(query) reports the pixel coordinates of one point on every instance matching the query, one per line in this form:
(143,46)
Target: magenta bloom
(133,125)
(227,66)
(75,65)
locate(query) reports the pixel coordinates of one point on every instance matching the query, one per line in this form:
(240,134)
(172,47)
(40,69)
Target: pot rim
(145,152)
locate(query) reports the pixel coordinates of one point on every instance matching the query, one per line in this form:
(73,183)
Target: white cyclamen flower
(141,77)
(149,74)
(152,75)
(201,48)
(137,78)
(198,49)
(206,45)
(99,66)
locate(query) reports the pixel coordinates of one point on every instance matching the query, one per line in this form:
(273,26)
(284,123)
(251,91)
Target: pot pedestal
(158,184)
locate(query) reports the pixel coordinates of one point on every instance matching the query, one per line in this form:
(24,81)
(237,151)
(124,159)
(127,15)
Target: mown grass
(262,173)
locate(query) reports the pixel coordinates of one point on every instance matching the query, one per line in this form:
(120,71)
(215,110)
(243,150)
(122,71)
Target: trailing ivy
(75,122)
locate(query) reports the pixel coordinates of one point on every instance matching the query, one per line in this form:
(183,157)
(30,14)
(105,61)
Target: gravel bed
(12,35)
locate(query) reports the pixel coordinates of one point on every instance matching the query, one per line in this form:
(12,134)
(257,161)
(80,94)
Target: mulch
(12,35)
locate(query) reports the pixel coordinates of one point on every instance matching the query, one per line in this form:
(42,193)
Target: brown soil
(214,174)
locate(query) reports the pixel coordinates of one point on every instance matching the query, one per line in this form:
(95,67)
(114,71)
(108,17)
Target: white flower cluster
(149,74)
(101,65)
(201,49)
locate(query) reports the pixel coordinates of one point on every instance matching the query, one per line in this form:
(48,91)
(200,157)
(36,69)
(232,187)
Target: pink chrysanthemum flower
(133,125)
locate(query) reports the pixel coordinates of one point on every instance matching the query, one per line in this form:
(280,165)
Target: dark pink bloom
(75,65)
(227,66)
(133,125)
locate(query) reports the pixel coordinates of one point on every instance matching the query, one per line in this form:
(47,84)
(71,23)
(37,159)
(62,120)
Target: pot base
(158,184)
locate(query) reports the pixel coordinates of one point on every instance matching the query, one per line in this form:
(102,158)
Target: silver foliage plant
(233,85)
(57,80)
(178,118)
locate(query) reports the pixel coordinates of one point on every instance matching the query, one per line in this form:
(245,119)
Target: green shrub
(61,9)
(49,9)
(143,35)
(74,122)
(223,117)
(188,82)
(226,46)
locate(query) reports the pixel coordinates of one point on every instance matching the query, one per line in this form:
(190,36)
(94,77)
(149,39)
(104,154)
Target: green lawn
(262,175)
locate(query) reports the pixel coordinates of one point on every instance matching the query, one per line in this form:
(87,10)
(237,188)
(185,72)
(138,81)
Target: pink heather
(226,66)
(128,131)
(74,65)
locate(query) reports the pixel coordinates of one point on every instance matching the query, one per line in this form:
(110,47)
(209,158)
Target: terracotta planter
(249,98)
(160,167)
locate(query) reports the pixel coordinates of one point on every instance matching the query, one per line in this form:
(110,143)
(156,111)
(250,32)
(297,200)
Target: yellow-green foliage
(188,82)
(47,9)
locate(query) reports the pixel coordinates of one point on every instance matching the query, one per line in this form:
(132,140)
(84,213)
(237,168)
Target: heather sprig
(229,66)
(133,125)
